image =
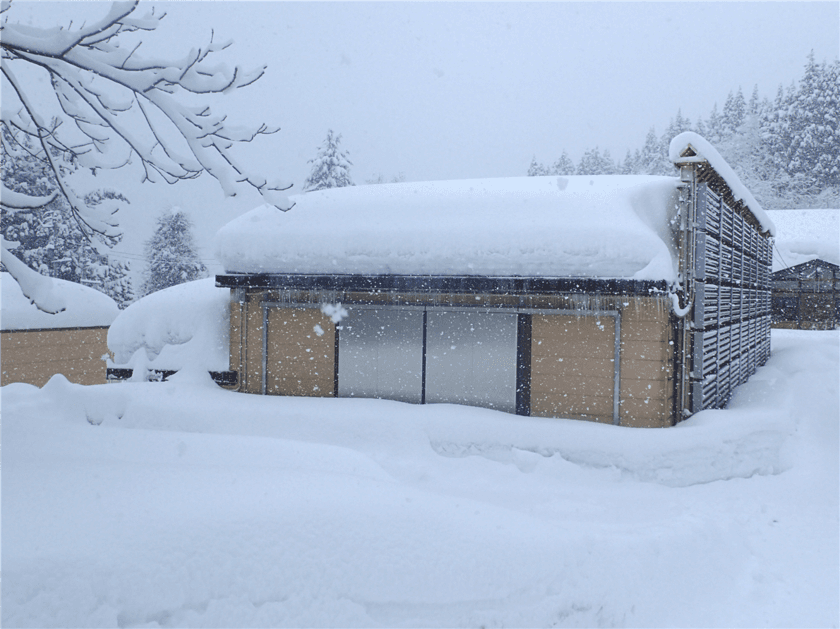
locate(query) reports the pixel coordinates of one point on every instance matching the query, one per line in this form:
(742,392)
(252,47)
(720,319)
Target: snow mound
(583,226)
(706,152)
(85,307)
(805,235)
(184,326)
(169,505)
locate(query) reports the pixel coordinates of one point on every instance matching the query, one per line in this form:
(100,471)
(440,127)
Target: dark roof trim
(68,329)
(441,283)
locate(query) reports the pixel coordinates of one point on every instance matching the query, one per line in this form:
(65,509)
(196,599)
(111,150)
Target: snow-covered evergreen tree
(170,253)
(49,240)
(564,166)
(630,165)
(594,162)
(677,125)
(331,167)
(652,161)
(536,169)
(786,151)
(379,178)
(814,153)
(734,110)
(714,126)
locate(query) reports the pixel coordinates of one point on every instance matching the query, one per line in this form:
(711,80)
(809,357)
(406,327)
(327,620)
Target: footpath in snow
(180,504)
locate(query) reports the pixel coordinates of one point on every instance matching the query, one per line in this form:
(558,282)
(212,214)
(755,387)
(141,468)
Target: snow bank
(706,152)
(166,505)
(84,307)
(805,235)
(185,326)
(586,226)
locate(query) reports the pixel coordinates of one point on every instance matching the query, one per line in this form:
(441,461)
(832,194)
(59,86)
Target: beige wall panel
(42,354)
(646,350)
(650,331)
(645,422)
(644,370)
(647,358)
(546,408)
(68,337)
(572,367)
(643,389)
(34,357)
(573,385)
(237,321)
(644,309)
(253,349)
(300,362)
(570,336)
(637,411)
(585,405)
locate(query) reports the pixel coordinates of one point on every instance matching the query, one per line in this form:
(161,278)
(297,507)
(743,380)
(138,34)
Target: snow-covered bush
(182,327)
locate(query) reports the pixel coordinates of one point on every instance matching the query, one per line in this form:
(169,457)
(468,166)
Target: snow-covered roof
(805,235)
(582,226)
(704,151)
(84,307)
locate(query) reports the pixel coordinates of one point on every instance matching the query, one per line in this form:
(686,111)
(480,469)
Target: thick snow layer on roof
(85,307)
(805,235)
(706,152)
(585,226)
(185,326)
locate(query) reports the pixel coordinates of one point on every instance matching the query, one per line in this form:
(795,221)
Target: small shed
(630,300)
(35,345)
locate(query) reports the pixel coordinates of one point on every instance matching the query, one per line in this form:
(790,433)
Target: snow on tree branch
(37,288)
(125,107)
(107,90)
(12,201)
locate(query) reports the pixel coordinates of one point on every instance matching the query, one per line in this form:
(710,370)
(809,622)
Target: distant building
(621,299)
(34,345)
(807,296)
(805,262)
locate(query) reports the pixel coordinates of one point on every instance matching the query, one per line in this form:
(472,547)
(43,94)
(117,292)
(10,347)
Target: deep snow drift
(181,504)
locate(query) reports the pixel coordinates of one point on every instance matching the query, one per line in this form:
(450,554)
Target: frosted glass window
(471,359)
(380,354)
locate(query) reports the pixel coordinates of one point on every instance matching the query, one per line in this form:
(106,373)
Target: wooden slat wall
(34,356)
(300,362)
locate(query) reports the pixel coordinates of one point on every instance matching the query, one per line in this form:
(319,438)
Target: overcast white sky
(472,89)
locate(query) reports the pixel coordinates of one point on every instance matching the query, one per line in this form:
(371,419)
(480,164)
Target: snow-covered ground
(181,504)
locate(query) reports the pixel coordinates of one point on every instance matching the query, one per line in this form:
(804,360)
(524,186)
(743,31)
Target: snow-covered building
(35,345)
(806,269)
(807,296)
(632,300)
